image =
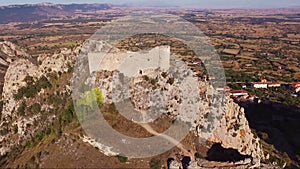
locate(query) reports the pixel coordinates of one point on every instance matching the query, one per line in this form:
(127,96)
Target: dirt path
(172,140)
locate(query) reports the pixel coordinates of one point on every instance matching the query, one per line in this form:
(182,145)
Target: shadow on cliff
(277,124)
(218,153)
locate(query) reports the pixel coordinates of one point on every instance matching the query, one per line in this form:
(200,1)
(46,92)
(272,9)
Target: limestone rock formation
(234,132)
(9,52)
(20,65)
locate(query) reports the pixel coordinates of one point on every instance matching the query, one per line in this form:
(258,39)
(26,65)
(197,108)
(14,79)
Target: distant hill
(37,12)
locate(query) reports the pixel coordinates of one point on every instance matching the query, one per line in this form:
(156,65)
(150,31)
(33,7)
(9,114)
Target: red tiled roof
(296,85)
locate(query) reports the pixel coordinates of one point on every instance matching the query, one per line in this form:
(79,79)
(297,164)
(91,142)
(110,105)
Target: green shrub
(198,155)
(4,131)
(95,95)
(39,136)
(21,109)
(122,159)
(280,162)
(155,164)
(32,88)
(28,144)
(29,80)
(43,83)
(68,114)
(35,108)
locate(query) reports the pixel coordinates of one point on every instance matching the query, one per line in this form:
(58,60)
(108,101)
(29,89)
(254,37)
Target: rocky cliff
(8,53)
(25,85)
(218,119)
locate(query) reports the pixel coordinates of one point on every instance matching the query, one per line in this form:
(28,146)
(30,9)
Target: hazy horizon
(176,3)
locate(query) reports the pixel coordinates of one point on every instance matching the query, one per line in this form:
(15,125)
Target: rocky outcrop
(218,119)
(233,131)
(13,80)
(8,53)
(16,128)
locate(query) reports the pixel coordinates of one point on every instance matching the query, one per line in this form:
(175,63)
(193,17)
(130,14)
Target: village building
(226,88)
(274,84)
(295,87)
(238,93)
(259,85)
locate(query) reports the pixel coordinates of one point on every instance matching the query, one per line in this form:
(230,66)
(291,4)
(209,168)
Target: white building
(131,63)
(274,84)
(259,85)
(238,93)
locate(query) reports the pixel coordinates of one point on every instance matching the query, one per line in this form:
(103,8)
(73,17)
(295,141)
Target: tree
(91,96)
(88,100)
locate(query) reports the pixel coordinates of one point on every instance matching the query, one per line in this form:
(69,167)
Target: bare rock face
(234,132)
(174,165)
(19,66)
(227,125)
(11,51)
(220,120)
(8,53)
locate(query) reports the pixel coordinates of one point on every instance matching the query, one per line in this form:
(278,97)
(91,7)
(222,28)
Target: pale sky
(180,3)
